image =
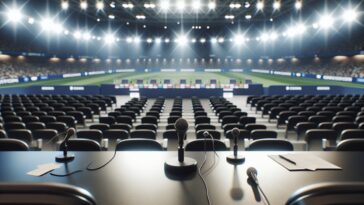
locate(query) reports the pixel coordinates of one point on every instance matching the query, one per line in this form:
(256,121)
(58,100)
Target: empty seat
(340,126)
(243,134)
(302,127)
(251,127)
(82,145)
(247,120)
(147,134)
(204,127)
(59,126)
(314,138)
(231,126)
(90,134)
(21,134)
(146,126)
(202,120)
(122,126)
(115,134)
(172,119)
(229,119)
(205,145)
(352,134)
(101,126)
(107,120)
(46,134)
(343,118)
(138,145)
(124,119)
(35,126)
(27,119)
(69,120)
(3,134)
(170,134)
(149,120)
(270,145)
(353,145)
(292,122)
(13,145)
(263,134)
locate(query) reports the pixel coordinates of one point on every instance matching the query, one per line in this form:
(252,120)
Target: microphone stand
(66,157)
(235,158)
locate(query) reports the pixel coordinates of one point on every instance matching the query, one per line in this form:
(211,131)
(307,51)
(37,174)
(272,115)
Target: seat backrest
(263,134)
(205,145)
(243,134)
(115,134)
(352,134)
(204,127)
(59,126)
(146,126)
(270,145)
(44,134)
(148,134)
(122,126)
(138,145)
(313,138)
(329,193)
(354,145)
(170,134)
(90,134)
(13,145)
(101,126)
(44,193)
(81,145)
(21,134)
(215,134)
(251,127)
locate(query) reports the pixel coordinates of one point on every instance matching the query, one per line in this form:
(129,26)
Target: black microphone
(182,165)
(66,157)
(252,174)
(235,159)
(181,126)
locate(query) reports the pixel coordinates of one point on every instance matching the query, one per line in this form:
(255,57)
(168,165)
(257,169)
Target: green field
(223,78)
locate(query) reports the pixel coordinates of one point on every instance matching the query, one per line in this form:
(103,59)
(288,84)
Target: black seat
(251,127)
(353,145)
(146,126)
(172,119)
(229,119)
(348,193)
(314,138)
(90,134)
(14,125)
(270,145)
(124,119)
(46,134)
(82,145)
(215,134)
(302,127)
(204,127)
(202,120)
(101,126)
(170,127)
(107,120)
(292,122)
(138,145)
(69,120)
(231,126)
(352,134)
(115,134)
(59,126)
(13,145)
(170,134)
(205,145)
(341,126)
(147,134)
(47,119)
(35,126)
(27,119)
(122,126)
(247,120)
(263,134)
(21,134)
(3,134)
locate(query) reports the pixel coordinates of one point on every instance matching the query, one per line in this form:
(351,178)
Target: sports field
(222,78)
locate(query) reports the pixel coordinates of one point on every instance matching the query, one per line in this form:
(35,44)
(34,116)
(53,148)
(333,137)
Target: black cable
(203,180)
(102,166)
(265,197)
(68,174)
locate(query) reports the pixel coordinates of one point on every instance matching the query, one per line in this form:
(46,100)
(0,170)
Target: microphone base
(63,158)
(235,159)
(185,168)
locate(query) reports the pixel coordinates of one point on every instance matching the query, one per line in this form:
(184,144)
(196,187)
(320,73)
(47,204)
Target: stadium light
(109,39)
(260,5)
(14,15)
(181,5)
(64,4)
(326,21)
(136,39)
(213,40)
(350,15)
(31,20)
(239,39)
(221,40)
(298,5)
(164,5)
(196,5)
(276,5)
(193,40)
(203,40)
(166,40)
(100,5)
(211,5)
(77,35)
(273,36)
(83,4)
(86,36)
(129,39)
(49,25)
(158,40)
(182,40)
(149,40)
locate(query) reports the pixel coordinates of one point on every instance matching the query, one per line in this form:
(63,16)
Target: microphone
(252,174)
(66,157)
(182,165)
(235,159)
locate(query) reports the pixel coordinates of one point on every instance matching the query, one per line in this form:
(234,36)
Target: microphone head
(251,171)
(71,131)
(235,132)
(181,125)
(206,134)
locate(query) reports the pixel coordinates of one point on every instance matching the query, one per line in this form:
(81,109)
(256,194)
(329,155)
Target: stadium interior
(129,85)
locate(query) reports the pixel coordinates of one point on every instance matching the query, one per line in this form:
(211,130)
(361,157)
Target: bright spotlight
(166,40)
(86,36)
(100,5)
(129,39)
(350,15)
(326,21)
(109,39)
(260,5)
(65,5)
(83,5)
(276,5)
(149,40)
(211,5)
(182,40)
(158,40)
(137,39)
(239,39)
(298,4)
(77,35)
(213,40)
(31,20)
(196,5)
(14,15)
(164,5)
(273,36)
(264,37)
(221,40)
(181,5)
(49,25)
(203,40)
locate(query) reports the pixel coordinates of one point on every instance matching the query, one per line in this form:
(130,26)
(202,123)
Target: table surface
(139,177)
